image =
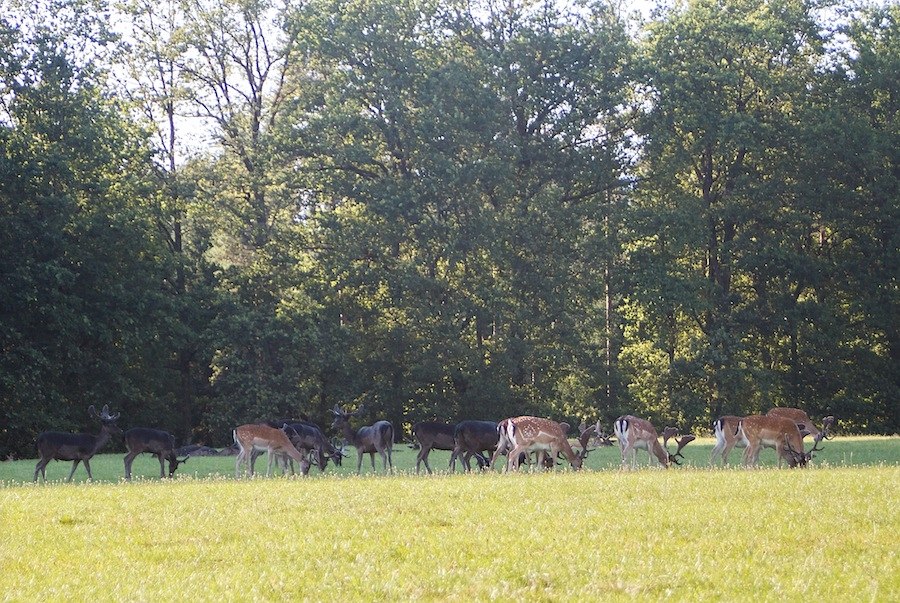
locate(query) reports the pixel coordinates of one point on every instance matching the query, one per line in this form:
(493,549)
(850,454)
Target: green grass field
(827,532)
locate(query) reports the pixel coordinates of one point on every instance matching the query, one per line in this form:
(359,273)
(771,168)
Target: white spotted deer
(634,433)
(271,439)
(779,433)
(535,434)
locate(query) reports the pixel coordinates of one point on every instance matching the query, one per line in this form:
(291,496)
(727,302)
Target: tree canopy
(221,212)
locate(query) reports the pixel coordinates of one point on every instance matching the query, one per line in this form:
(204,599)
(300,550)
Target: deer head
(799,457)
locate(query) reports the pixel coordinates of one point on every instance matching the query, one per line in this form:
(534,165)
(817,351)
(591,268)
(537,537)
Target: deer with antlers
(633,433)
(779,433)
(76,447)
(378,437)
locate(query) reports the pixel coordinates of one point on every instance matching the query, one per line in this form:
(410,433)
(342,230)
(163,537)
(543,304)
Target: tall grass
(826,533)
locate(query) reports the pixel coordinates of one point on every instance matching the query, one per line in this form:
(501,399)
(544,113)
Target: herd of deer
(285,441)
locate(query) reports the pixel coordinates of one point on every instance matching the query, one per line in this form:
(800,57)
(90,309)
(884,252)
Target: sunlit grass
(827,533)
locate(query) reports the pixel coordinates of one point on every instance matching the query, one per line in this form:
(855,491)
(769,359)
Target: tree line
(218,212)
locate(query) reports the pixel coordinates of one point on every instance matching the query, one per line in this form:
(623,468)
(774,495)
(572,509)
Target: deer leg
(129,459)
(422,456)
(39,468)
(372,458)
(74,466)
(162,465)
(237,464)
(359,458)
(87,466)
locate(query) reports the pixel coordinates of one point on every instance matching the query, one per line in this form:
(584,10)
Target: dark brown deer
(75,447)
(431,436)
(378,437)
(473,438)
(160,444)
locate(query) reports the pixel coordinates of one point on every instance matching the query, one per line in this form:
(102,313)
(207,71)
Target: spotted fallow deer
(804,423)
(536,434)
(725,428)
(272,440)
(633,433)
(779,433)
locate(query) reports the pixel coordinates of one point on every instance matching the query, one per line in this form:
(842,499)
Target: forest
(214,212)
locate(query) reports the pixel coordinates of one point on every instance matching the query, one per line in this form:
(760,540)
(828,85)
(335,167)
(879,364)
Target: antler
(669,433)
(337,411)
(827,424)
(682,443)
(800,457)
(583,439)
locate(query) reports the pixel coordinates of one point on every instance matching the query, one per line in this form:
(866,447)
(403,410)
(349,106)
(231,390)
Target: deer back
(154,441)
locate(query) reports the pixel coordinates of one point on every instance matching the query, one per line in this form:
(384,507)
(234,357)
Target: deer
(535,434)
(160,444)
(473,438)
(633,433)
(378,437)
(780,433)
(307,438)
(725,428)
(75,447)
(803,421)
(432,436)
(271,439)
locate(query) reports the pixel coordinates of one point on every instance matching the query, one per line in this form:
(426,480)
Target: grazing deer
(633,433)
(535,434)
(160,444)
(473,438)
(432,436)
(271,439)
(725,428)
(378,437)
(804,423)
(505,444)
(307,438)
(779,433)
(75,447)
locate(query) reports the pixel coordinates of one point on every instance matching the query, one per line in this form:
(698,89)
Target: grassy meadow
(826,532)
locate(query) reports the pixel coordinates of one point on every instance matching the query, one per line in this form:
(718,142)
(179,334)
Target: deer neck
(101,439)
(661,454)
(350,434)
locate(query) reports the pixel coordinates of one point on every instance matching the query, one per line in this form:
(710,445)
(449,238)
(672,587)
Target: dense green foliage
(444,209)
